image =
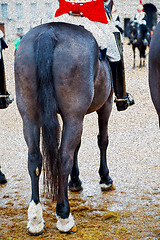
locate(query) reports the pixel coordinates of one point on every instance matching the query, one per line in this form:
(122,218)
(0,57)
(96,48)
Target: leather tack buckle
(76,14)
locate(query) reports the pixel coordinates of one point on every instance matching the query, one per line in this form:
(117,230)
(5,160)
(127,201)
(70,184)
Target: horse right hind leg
(75,184)
(72,130)
(32,137)
(106,182)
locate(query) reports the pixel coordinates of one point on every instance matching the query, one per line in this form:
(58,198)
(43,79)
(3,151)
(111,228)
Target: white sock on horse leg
(65,225)
(36,222)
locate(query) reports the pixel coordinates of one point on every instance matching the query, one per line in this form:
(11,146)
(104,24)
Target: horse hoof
(36,224)
(105,187)
(73,229)
(75,187)
(106,184)
(66,225)
(36,234)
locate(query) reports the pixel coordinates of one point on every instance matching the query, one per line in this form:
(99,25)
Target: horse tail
(44,49)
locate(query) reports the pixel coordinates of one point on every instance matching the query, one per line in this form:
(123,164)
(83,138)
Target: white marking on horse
(65,225)
(36,222)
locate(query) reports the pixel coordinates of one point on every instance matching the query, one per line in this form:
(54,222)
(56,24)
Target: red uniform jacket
(93,9)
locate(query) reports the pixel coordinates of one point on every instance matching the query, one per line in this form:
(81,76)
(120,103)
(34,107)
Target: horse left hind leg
(103,117)
(32,137)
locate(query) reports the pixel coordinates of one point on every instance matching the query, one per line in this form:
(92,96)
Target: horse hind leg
(32,136)
(106,182)
(134,58)
(75,184)
(144,62)
(140,63)
(71,136)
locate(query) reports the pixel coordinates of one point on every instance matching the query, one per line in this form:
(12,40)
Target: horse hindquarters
(154,69)
(154,84)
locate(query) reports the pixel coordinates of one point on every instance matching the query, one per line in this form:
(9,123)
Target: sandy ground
(133,159)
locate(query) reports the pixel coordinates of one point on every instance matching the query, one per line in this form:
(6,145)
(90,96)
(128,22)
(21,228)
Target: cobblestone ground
(132,210)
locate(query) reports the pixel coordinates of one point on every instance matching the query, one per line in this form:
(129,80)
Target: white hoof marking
(36,222)
(105,186)
(65,225)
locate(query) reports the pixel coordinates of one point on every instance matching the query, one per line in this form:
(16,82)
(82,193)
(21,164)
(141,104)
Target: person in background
(17,40)
(91,14)
(140,19)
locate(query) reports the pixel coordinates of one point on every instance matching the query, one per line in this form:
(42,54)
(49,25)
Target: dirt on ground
(132,210)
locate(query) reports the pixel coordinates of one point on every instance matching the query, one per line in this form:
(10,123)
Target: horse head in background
(139,38)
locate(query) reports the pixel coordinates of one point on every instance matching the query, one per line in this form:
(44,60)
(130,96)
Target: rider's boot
(123,99)
(103,55)
(5,97)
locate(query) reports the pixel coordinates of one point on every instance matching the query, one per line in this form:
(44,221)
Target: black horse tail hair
(44,50)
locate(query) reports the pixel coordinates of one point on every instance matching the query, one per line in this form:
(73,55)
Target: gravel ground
(133,159)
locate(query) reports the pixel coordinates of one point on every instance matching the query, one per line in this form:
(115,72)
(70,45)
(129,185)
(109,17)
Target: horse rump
(154,69)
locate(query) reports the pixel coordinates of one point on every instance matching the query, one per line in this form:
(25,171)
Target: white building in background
(22,15)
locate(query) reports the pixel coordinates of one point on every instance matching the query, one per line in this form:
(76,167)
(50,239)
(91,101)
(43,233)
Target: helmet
(140,7)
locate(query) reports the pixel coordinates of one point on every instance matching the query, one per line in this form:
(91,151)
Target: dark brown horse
(154,69)
(58,71)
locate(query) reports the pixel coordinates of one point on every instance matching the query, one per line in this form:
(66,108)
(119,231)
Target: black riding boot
(103,55)
(123,99)
(5,97)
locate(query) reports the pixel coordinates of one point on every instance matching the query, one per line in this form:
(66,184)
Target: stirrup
(8,100)
(124,102)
